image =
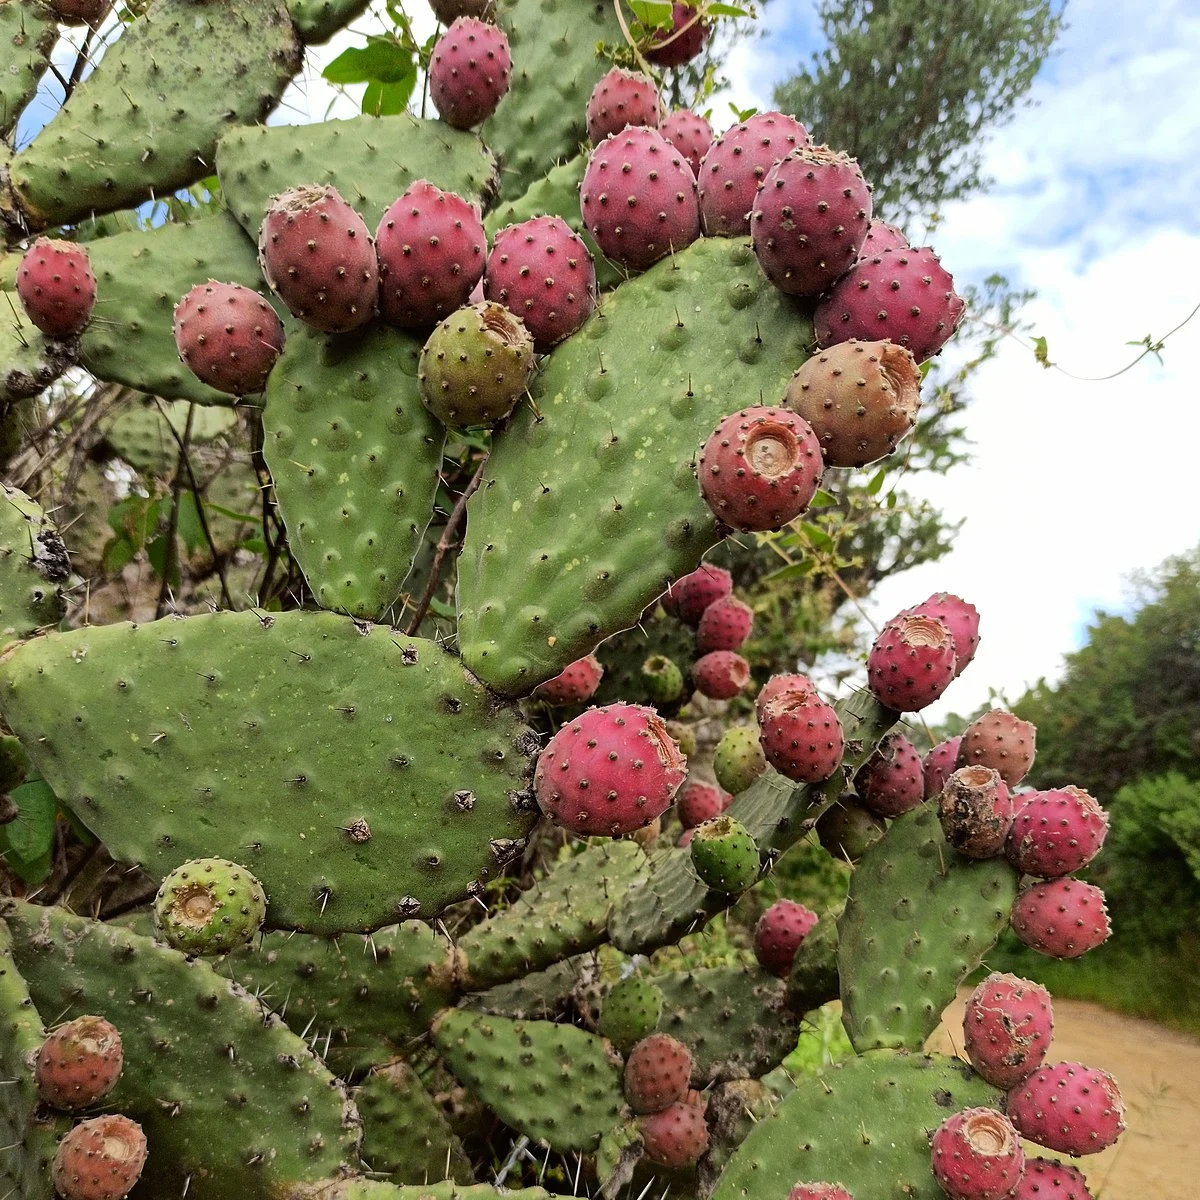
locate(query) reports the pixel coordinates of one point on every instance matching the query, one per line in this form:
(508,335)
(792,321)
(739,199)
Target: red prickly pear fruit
(228,336)
(1056,833)
(891,782)
(574,684)
(657,1071)
(819,1191)
(724,625)
(431,249)
(610,771)
(469,72)
(939,765)
(638,198)
(1048,1179)
(316,253)
(737,163)
(911,663)
(690,134)
(977,1155)
(882,236)
(1001,741)
(1007,1028)
(621,99)
(975,812)
(676,1137)
(1063,918)
(687,598)
(681,43)
(860,398)
(699,802)
(57,287)
(802,736)
(905,295)
(961,618)
(78,1063)
(100,1159)
(71,12)
(1069,1108)
(542,271)
(776,686)
(721,675)
(778,934)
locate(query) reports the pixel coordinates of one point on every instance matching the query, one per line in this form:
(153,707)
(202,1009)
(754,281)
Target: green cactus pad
(317,21)
(734,1108)
(141,431)
(371,1189)
(631,1011)
(738,759)
(28,31)
(234,734)
(228,1097)
(209,906)
(724,855)
(813,979)
(14,763)
(29,361)
(589,505)
(355,459)
(32,562)
(552,1082)
(540,995)
(918,920)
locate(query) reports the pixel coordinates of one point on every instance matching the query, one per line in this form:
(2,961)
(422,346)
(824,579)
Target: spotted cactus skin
(960,617)
(721,675)
(819,1191)
(687,598)
(100,1159)
(724,625)
(911,663)
(1001,741)
(1007,1027)
(657,1071)
(1048,1179)
(977,1155)
(229,336)
(776,686)
(681,43)
(469,72)
(1062,918)
(938,765)
(802,736)
(676,1137)
(1068,1107)
(57,287)
(699,802)
(620,99)
(1057,833)
(882,236)
(778,934)
(576,684)
(690,134)
(891,781)
(976,812)
(79,1063)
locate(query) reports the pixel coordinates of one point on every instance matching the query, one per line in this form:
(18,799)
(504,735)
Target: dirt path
(1159,1075)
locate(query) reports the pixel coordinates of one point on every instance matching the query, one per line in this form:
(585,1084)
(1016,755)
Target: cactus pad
(29,361)
(28,32)
(317,21)
(32,563)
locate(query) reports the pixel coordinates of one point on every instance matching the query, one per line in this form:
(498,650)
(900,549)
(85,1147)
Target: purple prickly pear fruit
(1062,918)
(882,236)
(1056,833)
(962,619)
(620,99)
(905,295)
(431,249)
(721,675)
(690,134)
(687,598)
(57,287)
(699,802)
(1048,1179)
(610,771)
(100,1159)
(469,72)
(975,812)
(737,163)
(542,271)
(977,1155)
(656,1073)
(860,398)
(819,1191)
(1001,741)
(681,43)
(939,765)
(760,468)
(809,219)
(911,663)
(778,934)
(724,625)
(638,198)
(1069,1108)
(1007,1028)
(676,1137)
(317,255)
(574,684)
(801,735)
(71,12)
(228,336)
(776,686)
(891,781)
(448,11)
(78,1063)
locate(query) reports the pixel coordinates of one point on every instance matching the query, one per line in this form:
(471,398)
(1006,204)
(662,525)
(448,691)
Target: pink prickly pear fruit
(911,663)
(721,675)
(1062,918)
(778,934)
(656,1073)
(228,336)
(620,99)
(100,1159)
(819,1191)
(686,38)
(1056,833)
(316,253)
(861,399)
(737,163)
(542,271)
(1069,1108)
(431,249)
(724,625)
(699,802)
(469,72)
(1001,741)
(938,766)
(892,781)
(1007,1028)
(882,236)
(1048,1179)
(975,812)
(610,771)
(962,619)
(676,1137)
(576,682)
(905,295)
(802,736)
(776,686)
(78,1063)
(638,198)
(690,134)
(687,598)
(977,1155)
(57,287)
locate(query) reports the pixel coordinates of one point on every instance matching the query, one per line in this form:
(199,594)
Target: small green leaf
(1041,352)
(117,554)
(791,571)
(822,500)
(242,518)
(388,99)
(381,60)
(157,553)
(891,500)
(31,835)
(190,527)
(876,482)
(652,13)
(818,538)
(725,10)
(255,545)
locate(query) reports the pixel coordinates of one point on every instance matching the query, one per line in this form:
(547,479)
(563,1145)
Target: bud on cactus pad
(1056,833)
(699,802)
(738,759)
(802,736)
(938,765)
(1069,1108)
(778,934)
(575,684)
(760,468)
(911,663)
(975,812)
(725,856)
(1000,741)
(620,99)
(469,72)
(892,780)
(57,287)
(683,41)
(690,134)
(819,1191)
(656,1073)
(860,398)
(687,598)
(209,906)
(676,1137)
(78,1063)
(663,679)
(977,1155)
(1007,1028)
(776,686)
(724,625)
(630,1012)
(1047,1179)
(960,617)
(721,675)
(100,1159)
(610,771)
(1063,918)
(882,236)
(848,829)
(228,336)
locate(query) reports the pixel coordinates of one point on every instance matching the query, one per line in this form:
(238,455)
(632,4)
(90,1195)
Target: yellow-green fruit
(209,906)
(738,759)
(725,855)
(663,679)
(685,736)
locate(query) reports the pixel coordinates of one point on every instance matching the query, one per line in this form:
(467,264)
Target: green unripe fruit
(209,906)
(684,736)
(725,855)
(630,1012)
(663,679)
(846,829)
(14,763)
(738,759)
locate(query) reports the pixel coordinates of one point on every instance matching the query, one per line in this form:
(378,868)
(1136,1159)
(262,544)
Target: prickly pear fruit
(316,253)
(1056,833)
(228,336)
(860,398)
(776,686)
(977,1155)
(699,802)
(960,617)
(475,366)
(685,838)
(938,765)
(724,855)
(1001,741)
(802,736)
(1069,1108)
(684,737)
(676,1137)
(621,99)
(57,287)
(1063,918)
(848,829)
(724,625)
(882,236)
(100,1159)
(78,1063)
(738,759)
(610,771)
(448,11)
(469,72)
(721,675)
(683,41)
(71,12)
(1048,1179)
(209,906)
(576,682)
(656,1073)
(687,598)
(892,780)
(778,934)
(431,249)
(630,1012)
(819,1191)
(663,679)
(1007,1028)
(690,134)
(911,663)
(975,812)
